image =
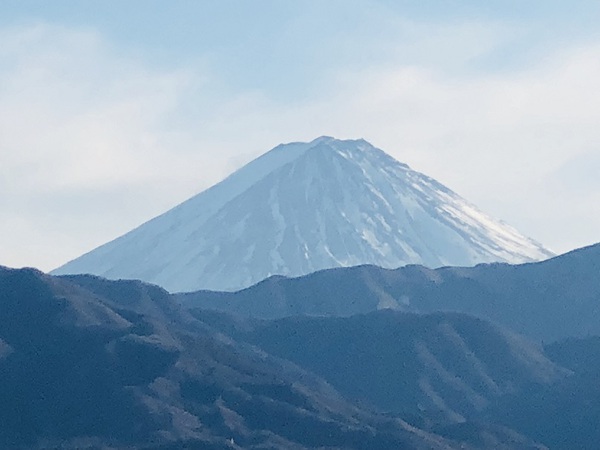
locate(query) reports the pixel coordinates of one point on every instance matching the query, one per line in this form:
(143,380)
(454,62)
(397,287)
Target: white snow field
(303,207)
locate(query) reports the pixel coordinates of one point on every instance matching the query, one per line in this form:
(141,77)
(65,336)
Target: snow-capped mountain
(303,207)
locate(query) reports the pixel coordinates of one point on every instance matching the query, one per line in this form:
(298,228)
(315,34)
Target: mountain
(442,367)
(565,414)
(548,300)
(91,363)
(303,207)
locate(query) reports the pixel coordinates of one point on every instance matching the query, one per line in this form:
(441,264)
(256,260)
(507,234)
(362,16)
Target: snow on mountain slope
(303,207)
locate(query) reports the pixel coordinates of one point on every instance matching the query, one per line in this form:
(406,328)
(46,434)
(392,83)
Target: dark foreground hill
(565,414)
(88,363)
(91,363)
(448,373)
(548,301)
(446,367)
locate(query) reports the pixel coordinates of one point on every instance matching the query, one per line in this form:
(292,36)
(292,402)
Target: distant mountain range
(303,207)
(549,300)
(91,363)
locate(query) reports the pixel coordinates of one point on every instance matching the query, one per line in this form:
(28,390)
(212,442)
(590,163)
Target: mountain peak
(333,142)
(321,139)
(297,209)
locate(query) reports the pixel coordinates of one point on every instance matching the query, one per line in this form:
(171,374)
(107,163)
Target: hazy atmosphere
(400,248)
(112,112)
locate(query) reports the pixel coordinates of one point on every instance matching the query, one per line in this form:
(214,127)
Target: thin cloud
(93,141)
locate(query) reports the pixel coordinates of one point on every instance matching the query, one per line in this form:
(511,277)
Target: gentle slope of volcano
(303,207)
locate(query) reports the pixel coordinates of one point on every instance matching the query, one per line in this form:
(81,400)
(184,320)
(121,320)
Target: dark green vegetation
(448,373)
(446,366)
(86,362)
(565,414)
(548,301)
(91,363)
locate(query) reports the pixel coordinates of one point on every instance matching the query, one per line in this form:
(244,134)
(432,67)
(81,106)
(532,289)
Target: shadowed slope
(85,362)
(549,300)
(445,367)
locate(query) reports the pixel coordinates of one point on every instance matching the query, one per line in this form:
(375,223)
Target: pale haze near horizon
(111,113)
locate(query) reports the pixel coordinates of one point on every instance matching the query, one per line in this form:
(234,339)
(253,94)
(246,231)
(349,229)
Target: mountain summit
(303,207)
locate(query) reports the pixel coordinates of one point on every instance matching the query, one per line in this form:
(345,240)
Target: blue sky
(113,111)
(277,45)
